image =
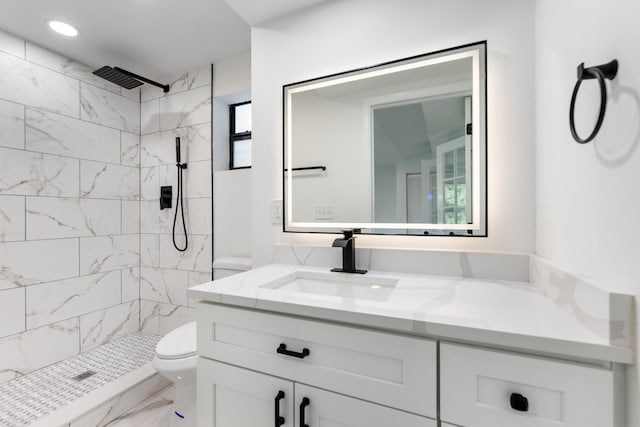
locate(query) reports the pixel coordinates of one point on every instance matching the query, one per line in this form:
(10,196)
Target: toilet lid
(179,343)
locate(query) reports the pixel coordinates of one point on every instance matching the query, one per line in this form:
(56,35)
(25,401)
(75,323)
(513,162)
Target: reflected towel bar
(308,168)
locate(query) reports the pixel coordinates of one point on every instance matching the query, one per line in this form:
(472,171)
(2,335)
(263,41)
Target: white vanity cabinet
(254,363)
(489,388)
(229,396)
(352,377)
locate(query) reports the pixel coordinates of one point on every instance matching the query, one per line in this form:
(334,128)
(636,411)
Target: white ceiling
(256,12)
(158,39)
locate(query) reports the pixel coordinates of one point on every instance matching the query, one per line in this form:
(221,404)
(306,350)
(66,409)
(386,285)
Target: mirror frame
(479,140)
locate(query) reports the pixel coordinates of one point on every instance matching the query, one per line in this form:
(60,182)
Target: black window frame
(233,136)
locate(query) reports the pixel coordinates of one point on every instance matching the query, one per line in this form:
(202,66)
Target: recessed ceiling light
(63,28)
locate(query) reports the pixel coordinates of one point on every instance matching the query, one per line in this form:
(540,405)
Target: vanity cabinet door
(233,397)
(325,409)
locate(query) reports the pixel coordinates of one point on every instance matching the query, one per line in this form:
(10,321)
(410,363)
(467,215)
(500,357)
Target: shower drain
(84,375)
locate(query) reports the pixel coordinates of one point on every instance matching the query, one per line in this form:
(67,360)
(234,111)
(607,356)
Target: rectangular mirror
(398,148)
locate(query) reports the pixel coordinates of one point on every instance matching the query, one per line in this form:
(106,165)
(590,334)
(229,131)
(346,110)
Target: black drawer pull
(278,419)
(519,402)
(282,349)
(305,402)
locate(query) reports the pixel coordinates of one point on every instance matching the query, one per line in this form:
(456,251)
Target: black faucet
(347,243)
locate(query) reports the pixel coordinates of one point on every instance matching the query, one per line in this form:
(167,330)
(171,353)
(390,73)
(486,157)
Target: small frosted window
(243,118)
(242,153)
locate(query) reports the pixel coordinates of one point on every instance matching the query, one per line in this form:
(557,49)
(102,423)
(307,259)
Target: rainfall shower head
(126,79)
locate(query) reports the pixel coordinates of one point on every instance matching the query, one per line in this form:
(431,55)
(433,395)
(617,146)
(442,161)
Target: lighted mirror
(398,148)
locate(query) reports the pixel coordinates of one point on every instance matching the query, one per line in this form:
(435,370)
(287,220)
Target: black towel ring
(600,72)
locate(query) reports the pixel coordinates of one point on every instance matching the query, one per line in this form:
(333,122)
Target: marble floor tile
(152,412)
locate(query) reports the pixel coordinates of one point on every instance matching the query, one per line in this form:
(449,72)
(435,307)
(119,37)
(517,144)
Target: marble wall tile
(198,179)
(159,148)
(185,109)
(54,301)
(198,139)
(11,44)
(185,81)
(150,250)
(109,181)
(36,86)
(57,134)
(132,94)
(130,284)
(11,125)
(102,326)
(167,286)
(35,174)
(159,318)
(108,253)
(130,217)
(197,257)
(52,218)
(12,303)
(154,153)
(64,65)
(12,227)
(150,117)
(107,108)
(153,220)
(104,414)
(197,278)
(24,352)
(200,77)
(130,149)
(199,217)
(29,263)
(150,183)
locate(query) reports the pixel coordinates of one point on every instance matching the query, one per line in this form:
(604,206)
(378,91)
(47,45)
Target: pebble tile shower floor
(25,399)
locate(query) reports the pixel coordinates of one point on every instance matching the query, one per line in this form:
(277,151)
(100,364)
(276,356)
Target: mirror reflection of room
(396,145)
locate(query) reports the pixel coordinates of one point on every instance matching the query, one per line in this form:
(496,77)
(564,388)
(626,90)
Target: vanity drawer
(389,369)
(477,388)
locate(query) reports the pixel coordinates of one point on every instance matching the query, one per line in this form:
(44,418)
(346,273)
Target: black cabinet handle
(278,419)
(305,402)
(519,402)
(282,349)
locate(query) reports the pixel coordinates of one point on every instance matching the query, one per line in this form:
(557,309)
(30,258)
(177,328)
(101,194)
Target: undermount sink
(335,285)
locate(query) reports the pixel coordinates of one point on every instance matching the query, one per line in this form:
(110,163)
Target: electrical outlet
(276,211)
(324,212)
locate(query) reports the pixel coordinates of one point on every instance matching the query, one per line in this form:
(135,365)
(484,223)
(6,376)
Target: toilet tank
(228,266)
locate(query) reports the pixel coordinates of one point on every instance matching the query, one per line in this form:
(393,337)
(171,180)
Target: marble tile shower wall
(69,208)
(165,273)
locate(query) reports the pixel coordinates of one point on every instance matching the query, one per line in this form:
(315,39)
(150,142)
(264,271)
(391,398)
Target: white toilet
(175,359)
(176,354)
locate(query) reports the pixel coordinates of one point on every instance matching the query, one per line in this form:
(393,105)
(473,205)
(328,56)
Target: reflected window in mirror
(402,147)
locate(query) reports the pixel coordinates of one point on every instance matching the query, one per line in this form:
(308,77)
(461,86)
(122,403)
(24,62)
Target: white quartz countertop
(486,312)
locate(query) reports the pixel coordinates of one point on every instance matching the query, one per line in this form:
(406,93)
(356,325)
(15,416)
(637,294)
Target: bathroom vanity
(288,345)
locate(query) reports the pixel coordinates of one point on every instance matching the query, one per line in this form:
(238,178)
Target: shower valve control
(166,194)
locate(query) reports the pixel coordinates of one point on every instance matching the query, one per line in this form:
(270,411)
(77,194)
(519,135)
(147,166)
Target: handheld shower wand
(180,201)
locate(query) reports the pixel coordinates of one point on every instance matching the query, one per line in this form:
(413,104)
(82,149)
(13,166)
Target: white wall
(232,213)
(349,34)
(586,194)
